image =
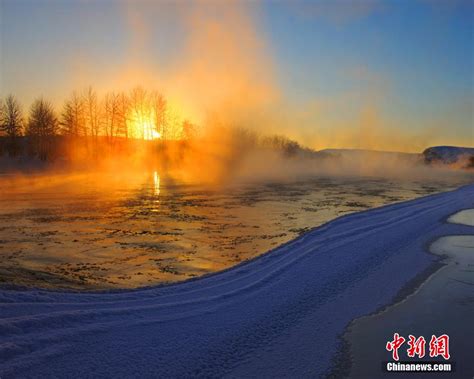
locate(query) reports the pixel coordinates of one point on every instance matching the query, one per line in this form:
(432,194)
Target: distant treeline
(84,117)
(89,127)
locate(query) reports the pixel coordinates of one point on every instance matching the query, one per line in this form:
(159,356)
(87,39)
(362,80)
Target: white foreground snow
(278,315)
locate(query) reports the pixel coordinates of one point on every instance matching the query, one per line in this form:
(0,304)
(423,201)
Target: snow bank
(278,315)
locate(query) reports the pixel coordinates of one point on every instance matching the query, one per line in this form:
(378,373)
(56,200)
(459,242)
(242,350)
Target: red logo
(417,346)
(394,345)
(439,346)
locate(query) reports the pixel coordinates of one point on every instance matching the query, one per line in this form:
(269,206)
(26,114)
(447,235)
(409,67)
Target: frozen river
(99,231)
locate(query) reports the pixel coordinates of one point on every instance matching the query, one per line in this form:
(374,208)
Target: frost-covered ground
(277,315)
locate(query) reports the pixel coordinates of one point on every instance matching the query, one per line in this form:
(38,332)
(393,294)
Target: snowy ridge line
(268,314)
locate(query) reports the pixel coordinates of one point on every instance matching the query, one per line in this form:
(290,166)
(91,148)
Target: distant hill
(450,155)
(458,157)
(362,151)
(370,154)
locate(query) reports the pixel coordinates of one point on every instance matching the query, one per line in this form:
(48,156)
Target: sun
(142,126)
(149,131)
(155,134)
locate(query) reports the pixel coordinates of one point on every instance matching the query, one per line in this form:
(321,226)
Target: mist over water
(123,230)
(223,72)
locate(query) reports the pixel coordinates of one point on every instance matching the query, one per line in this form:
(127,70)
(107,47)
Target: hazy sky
(392,75)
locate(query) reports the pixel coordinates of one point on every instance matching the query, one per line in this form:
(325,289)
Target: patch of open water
(94,231)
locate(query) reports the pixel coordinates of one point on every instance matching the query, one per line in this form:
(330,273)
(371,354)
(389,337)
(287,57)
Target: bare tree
(73,126)
(123,115)
(73,117)
(189,130)
(92,118)
(11,122)
(281,143)
(92,112)
(159,111)
(140,113)
(173,130)
(42,127)
(111,115)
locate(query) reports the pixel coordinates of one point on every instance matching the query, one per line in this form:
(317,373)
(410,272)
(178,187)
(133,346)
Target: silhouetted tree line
(89,127)
(246,139)
(84,119)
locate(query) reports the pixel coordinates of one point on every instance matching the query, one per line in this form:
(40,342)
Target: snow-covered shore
(441,304)
(278,315)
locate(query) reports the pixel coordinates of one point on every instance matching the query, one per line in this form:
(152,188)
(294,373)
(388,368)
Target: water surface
(443,304)
(93,231)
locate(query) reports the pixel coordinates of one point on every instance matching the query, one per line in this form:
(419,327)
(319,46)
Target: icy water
(99,231)
(443,304)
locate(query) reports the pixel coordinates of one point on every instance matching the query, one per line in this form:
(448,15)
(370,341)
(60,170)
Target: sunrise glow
(142,124)
(236,188)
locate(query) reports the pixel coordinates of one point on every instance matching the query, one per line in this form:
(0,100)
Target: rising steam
(222,77)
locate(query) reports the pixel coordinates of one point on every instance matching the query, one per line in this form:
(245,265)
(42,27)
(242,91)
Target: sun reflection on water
(156,183)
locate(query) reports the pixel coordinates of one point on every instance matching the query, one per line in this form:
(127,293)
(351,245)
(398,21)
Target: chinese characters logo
(438,346)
